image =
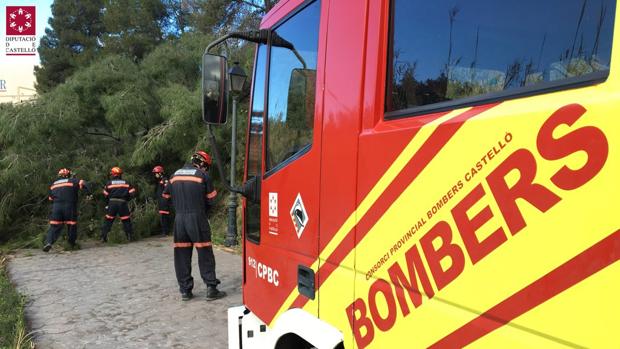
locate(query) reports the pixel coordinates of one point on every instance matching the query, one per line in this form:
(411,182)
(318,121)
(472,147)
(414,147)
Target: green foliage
(145,220)
(176,136)
(182,55)
(12,321)
(216,16)
(133,27)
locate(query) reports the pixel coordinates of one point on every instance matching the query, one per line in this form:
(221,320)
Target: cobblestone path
(122,296)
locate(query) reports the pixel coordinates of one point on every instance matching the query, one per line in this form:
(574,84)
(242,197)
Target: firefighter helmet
(116,171)
(202,159)
(158,169)
(64,172)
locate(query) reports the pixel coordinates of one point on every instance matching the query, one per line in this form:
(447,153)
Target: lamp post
(237,80)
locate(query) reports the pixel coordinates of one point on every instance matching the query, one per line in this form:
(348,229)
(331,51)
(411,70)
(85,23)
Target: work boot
(185,296)
(47,247)
(213,293)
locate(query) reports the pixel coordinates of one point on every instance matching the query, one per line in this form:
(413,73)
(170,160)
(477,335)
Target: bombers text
(411,279)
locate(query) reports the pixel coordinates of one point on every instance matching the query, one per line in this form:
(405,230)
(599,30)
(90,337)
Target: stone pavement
(122,296)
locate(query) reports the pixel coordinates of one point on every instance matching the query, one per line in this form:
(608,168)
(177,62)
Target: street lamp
(237,77)
(237,80)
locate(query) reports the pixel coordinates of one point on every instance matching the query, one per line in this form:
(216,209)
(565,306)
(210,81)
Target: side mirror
(214,89)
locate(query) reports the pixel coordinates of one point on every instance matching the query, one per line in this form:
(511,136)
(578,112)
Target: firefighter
(163,205)
(192,193)
(117,193)
(64,196)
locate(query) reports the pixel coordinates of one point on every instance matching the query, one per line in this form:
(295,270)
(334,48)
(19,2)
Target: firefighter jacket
(118,189)
(65,190)
(191,191)
(163,204)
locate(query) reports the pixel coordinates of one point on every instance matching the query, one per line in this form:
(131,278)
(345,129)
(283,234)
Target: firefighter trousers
(192,230)
(117,208)
(62,213)
(165,220)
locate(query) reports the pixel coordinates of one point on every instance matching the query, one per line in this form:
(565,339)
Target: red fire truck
(429,174)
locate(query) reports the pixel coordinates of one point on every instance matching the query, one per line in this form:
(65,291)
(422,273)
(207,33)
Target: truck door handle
(305,281)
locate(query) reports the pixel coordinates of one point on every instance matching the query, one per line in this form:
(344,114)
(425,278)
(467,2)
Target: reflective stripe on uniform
(61,185)
(56,222)
(164,212)
(112,186)
(108,217)
(186,179)
(166,196)
(202,244)
(105,193)
(182,244)
(124,218)
(71,222)
(212,194)
(81,184)
(132,190)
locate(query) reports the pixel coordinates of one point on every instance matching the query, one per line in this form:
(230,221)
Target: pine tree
(134,27)
(72,42)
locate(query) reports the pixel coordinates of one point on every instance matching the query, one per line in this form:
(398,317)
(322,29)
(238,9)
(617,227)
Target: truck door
(284,136)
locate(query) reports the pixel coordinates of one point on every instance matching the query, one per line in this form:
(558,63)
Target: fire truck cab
(430,174)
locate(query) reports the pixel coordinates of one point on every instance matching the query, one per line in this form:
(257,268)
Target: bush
(146,220)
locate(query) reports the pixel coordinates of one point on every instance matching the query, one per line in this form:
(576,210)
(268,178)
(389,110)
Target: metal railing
(20,97)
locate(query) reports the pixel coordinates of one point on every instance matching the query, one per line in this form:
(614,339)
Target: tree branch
(104,135)
(251,3)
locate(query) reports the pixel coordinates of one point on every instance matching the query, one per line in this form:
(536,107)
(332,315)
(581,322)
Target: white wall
(18,81)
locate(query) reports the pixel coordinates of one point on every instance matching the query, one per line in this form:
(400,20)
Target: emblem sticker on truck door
(273,205)
(273,213)
(299,215)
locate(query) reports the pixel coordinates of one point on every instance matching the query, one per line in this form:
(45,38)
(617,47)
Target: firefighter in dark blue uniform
(163,205)
(117,192)
(64,196)
(192,193)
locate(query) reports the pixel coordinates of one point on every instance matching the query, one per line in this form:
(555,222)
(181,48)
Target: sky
(18,70)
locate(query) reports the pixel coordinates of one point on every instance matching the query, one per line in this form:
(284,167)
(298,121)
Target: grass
(13,332)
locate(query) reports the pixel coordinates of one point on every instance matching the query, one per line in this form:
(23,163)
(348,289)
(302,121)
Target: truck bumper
(245,330)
